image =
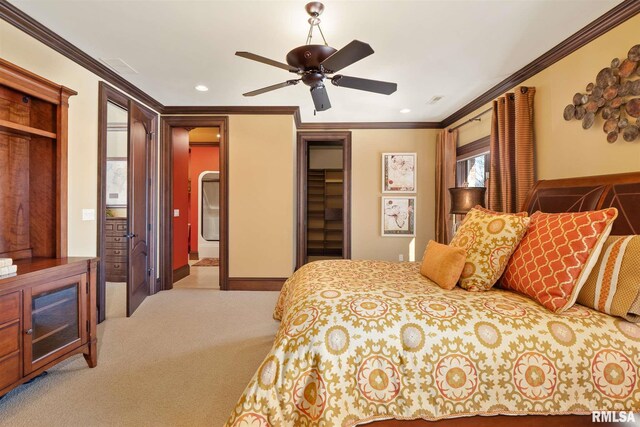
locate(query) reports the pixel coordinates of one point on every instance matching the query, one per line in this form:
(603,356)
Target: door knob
(29,331)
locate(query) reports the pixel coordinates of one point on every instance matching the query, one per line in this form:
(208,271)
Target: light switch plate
(176,212)
(88,214)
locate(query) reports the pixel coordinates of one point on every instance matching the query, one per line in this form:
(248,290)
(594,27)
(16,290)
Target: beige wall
(20,49)
(367,148)
(261,195)
(564,149)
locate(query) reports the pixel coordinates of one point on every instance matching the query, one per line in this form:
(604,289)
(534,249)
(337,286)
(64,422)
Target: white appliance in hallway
(209,215)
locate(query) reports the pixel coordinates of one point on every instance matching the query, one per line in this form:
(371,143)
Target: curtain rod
(472,119)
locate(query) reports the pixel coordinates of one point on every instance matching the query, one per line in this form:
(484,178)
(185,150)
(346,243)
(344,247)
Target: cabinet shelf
(52,305)
(50,333)
(7,126)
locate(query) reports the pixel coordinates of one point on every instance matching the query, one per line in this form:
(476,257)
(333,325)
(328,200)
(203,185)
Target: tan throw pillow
(613,287)
(443,264)
(489,239)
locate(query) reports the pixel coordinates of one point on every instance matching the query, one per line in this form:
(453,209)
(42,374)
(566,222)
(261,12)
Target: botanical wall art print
(117,182)
(399,171)
(398,216)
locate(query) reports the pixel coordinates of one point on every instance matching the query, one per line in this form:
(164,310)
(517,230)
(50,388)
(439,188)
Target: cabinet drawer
(9,370)
(115,239)
(116,266)
(9,307)
(115,252)
(9,339)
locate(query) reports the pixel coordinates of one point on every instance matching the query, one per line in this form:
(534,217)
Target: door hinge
(87,288)
(149,226)
(88,327)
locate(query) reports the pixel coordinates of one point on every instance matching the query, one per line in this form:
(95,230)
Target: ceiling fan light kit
(314,62)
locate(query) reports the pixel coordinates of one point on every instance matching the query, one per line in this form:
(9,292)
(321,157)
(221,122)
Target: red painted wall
(201,159)
(180,139)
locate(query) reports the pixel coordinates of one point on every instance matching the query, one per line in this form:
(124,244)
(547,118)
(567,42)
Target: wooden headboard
(621,191)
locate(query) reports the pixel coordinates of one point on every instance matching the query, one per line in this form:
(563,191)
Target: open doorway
(196,207)
(324,196)
(193,202)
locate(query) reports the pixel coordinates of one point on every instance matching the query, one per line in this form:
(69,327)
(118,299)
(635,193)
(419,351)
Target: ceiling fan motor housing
(309,57)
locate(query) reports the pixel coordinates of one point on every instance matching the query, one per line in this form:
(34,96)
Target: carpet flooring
(182,359)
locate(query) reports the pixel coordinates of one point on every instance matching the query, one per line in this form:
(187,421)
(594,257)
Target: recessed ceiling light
(202,88)
(405,110)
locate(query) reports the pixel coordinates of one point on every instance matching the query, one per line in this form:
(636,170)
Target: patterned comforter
(370,340)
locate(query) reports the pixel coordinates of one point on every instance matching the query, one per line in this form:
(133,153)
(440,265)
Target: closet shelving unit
(324,212)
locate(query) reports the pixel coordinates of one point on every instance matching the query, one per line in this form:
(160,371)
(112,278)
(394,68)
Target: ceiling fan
(314,62)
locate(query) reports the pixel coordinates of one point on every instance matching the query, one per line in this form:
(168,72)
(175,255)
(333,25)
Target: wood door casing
(138,206)
(304,139)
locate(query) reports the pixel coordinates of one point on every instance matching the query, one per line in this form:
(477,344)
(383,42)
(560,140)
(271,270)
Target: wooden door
(138,205)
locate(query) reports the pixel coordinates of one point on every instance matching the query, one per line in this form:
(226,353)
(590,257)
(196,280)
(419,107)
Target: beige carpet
(183,359)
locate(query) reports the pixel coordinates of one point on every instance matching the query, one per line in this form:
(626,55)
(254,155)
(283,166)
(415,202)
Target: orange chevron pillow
(555,257)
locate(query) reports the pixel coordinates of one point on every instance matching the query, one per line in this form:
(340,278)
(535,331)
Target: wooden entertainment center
(47,308)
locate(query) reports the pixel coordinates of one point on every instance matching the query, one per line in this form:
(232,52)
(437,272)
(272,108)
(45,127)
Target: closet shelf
(7,126)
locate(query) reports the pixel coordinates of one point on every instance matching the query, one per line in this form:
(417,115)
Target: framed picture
(398,216)
(116,182)
(399,171)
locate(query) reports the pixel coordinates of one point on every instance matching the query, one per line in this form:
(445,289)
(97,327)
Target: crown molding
(370,125)
(35,29)
(220,110)
(616,16)
(598,27)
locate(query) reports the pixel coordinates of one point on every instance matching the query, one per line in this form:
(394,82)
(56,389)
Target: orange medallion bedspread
(370,340)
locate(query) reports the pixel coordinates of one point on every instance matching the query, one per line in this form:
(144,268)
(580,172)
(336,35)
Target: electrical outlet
(401,257)
(176,212)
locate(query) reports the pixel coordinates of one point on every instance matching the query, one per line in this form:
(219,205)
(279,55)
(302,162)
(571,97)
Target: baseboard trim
(194,256)
(181,272)
(255,283)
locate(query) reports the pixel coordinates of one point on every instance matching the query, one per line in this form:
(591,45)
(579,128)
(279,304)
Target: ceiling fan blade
(320,98)
(272,87)
(267,61)
(353,52)
(377,86)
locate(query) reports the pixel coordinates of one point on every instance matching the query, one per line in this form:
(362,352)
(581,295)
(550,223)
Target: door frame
(106,94)
(166,192)
(304,139)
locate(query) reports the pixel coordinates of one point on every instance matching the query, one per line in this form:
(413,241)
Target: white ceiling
(458,49)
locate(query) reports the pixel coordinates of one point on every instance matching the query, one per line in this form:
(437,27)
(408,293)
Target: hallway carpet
(182,359)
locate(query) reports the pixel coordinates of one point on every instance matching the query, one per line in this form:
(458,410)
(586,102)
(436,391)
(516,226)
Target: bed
(376,342)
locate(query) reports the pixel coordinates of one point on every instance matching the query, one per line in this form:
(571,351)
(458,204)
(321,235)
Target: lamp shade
(463,199)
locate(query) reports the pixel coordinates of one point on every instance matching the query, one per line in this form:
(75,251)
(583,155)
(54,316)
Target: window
(472,165)
(473,171)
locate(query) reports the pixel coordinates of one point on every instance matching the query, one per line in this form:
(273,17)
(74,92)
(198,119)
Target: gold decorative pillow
(489,239)
(613,286)
(443,264)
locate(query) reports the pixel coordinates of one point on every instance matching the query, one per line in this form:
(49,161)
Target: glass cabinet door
(54,321)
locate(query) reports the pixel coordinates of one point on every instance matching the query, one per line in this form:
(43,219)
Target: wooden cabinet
(47,313)
(48,309)
(325,212)
(116,250)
